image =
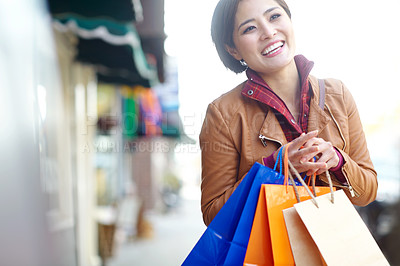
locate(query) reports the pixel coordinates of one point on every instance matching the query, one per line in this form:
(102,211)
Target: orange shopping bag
(269,242)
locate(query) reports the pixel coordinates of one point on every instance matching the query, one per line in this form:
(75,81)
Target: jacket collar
(257,89)
(318,118)
(304,67)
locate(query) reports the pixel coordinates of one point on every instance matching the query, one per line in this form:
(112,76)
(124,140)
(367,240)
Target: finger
(307,154)
(320,171)
(312,167)
(325,149)
(333,162)
(302,140)
(314,142)
(327,153)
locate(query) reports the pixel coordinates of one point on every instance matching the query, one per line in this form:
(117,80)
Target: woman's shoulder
(333,86)
(230,99)
(228,104)
(337,95)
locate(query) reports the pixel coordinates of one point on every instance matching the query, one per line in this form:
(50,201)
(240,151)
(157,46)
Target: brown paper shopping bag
(336,229)
(339,232)
(305,251)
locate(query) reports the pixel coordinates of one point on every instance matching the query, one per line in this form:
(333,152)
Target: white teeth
(272,48)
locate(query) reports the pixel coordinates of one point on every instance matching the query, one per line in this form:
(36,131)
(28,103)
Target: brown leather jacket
(230,143)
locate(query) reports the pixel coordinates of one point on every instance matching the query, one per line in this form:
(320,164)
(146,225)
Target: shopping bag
(238,245)
(225,240)
(269,243)
(339,232)
(305,251)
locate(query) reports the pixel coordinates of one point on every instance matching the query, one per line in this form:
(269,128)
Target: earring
(243,63)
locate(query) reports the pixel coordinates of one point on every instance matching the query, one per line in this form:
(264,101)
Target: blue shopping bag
(225,240)
(238,245)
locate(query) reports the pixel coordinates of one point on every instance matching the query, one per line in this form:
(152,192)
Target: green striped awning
(107,38)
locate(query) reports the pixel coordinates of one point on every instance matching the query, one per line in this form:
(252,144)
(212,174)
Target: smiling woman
(281,90)
(260,35)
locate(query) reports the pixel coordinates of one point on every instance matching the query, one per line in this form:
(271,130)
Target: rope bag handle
(289,169)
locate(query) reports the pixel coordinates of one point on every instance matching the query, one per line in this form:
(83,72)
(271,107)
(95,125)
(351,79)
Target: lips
(273,48)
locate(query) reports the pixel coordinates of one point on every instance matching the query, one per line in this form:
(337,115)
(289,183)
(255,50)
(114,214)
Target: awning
(107,39)
(124,11)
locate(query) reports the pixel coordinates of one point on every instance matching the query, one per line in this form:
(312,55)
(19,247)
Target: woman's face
(263,36)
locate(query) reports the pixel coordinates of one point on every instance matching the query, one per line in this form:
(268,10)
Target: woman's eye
(248,29)
(275,16)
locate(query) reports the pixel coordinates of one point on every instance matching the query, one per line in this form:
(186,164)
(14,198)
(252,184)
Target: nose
(267,31)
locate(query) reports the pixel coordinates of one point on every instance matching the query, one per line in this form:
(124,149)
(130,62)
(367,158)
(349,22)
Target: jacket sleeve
(358,168)
(220,162)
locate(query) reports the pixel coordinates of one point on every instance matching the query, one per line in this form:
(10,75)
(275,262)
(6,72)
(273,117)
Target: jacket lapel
(317,120)
(272,130)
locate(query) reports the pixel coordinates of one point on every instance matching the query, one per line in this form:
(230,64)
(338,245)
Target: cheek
(290,32)
(293,42)
(290,38)
(245,44)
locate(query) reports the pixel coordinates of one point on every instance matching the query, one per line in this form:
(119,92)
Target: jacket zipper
(349,187)
(337,125)
(264,140)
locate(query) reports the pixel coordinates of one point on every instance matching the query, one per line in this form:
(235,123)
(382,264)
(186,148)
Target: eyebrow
(250,20)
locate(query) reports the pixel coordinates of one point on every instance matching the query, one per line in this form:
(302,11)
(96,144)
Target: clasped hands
(311,154)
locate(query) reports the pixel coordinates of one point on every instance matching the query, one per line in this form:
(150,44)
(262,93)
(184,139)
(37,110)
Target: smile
(273,48)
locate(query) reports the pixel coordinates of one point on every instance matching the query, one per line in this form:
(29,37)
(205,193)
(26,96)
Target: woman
(278,104)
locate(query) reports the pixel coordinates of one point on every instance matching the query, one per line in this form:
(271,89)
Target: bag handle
(288,174)
(287,164)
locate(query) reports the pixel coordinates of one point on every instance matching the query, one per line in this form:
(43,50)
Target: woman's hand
(302,150)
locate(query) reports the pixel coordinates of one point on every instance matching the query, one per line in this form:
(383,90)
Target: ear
(233,52)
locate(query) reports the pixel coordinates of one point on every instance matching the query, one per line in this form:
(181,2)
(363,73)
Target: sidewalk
(175,234)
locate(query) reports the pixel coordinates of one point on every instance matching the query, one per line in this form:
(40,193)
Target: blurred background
(102,103)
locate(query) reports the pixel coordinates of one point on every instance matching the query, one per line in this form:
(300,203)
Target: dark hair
(222,24)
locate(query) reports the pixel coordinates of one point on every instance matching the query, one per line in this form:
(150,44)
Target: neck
(285,81)
(286,84)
